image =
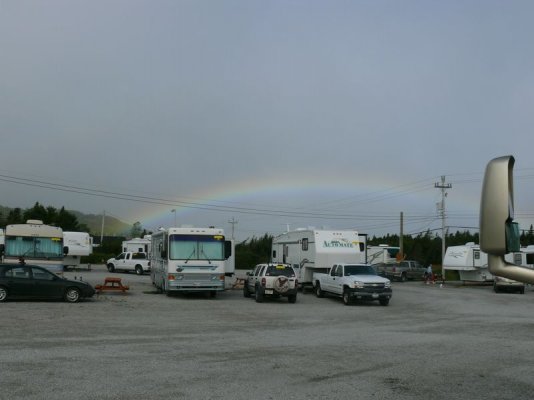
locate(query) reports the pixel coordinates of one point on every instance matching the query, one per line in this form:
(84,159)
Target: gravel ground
(462,342)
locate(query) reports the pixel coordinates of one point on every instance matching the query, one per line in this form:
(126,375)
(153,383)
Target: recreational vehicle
(382,254)
(139,245)
(317,250)
(191,260)
(79,244)
(36,243)
(472,263)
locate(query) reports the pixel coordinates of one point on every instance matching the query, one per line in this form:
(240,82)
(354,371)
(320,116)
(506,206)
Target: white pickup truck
(129,261)
(353,282)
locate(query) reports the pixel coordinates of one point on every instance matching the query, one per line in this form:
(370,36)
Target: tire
(522,291)
(346,297)
(495,288)
(3,294)
(72,295)
(139,270)
(111,267)
(318,291)
(292,298)
(213,294)
(403,277)
(259,295)
(246,291)
(383,302)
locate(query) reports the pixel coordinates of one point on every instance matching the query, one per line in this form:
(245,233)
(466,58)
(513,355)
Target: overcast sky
(339,114)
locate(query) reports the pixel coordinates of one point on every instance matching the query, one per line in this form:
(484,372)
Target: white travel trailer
(472,263)
(317,250)
(191,260)
(138,245)
(382,254)
(79,244)
(36,243)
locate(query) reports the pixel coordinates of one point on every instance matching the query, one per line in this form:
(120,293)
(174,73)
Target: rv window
(305,244)
(476,255)
(530,259)
(274,254)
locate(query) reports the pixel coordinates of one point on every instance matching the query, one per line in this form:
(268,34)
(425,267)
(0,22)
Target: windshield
(280,270)
(359,270)
(196,247)
(33,247)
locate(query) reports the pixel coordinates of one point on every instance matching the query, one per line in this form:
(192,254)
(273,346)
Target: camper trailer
(137,245)
(472,263)
(36,243)
(382,254)
(79,244)
(317,250)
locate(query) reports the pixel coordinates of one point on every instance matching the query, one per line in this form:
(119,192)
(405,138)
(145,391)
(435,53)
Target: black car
(32,281)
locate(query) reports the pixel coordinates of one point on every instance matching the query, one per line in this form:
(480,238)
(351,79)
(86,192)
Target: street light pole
(174,211)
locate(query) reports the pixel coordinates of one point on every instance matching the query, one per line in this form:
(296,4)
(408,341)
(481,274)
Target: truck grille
(374,286)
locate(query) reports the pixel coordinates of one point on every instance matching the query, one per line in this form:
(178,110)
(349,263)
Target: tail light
(171,277)
(263,282)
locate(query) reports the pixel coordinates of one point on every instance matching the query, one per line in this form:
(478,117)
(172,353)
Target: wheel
(111,267)
(213,294)
(318,291)
(522,291)
(72,295)
(384,302)
(3,293)
(246,291)
(495,288)
(292,298)
(138,270)
(346,297)
(403,277)
(259,295)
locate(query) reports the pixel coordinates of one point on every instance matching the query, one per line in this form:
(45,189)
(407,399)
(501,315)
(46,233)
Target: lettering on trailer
(344,243)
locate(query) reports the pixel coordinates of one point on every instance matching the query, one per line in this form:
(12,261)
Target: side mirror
(2,248)
(65,250)
(163,253)
(499,234)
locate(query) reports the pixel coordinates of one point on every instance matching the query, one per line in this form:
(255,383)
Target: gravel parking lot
(463,342)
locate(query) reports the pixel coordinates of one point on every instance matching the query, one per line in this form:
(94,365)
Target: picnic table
(112,283)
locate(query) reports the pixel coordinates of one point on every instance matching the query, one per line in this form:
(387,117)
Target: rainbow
(278,193)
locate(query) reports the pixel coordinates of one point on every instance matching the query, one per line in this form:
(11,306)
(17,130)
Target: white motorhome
(317,250)
(79,244)
(472,263)
(36,243)
(191,260)
(138,245)
(382,254)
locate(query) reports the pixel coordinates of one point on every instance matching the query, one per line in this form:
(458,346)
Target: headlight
(387,285)
(358,285)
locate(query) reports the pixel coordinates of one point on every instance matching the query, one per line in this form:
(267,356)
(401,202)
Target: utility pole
(102,229)
(441,210)
(401,238)
(233,221)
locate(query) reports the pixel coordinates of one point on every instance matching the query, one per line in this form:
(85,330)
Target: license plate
(268,291)
(375,295)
